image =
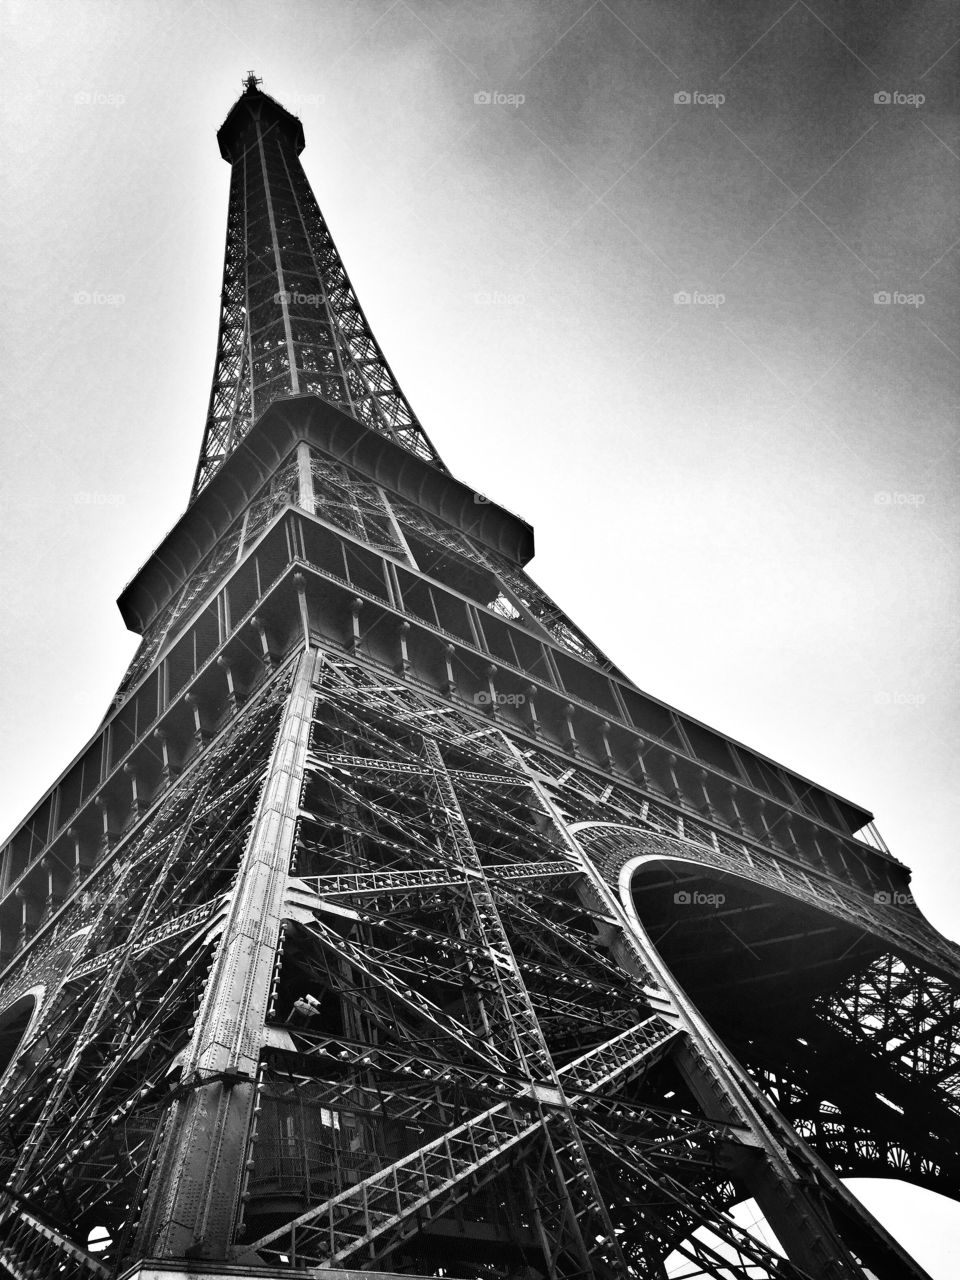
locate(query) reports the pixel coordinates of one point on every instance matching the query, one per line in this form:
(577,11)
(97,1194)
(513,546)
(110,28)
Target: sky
(678,283)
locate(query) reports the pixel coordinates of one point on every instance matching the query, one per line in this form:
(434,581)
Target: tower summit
(290,323)
(385,926)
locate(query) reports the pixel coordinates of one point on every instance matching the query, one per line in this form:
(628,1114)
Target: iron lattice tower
(384,925)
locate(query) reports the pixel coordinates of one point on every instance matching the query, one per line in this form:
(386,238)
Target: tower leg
(192,1210)
(794,1190)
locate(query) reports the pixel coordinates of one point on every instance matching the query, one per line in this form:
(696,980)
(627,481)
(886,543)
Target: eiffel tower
(385,926)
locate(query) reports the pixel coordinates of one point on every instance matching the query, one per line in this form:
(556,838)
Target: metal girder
(379,882)
(83,1098)
(356,1219)
(869,1080)
(30,1248)
(193,1207)
(187,923)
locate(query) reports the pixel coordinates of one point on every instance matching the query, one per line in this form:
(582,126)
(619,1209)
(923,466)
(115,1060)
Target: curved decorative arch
(851,1146)
(616,846)
(17,1021)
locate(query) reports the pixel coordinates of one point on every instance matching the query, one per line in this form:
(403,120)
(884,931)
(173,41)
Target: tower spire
(290,321)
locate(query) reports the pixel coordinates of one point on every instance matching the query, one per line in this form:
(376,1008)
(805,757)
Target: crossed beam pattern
(438,1011)
(872,1079)
(474,1003)
(460,1054)
(121,975)
(290,322)
(422,1088)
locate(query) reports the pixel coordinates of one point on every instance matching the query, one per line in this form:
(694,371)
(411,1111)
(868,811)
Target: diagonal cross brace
(435,1174)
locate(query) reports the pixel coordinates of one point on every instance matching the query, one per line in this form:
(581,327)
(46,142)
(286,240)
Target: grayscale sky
(748,499)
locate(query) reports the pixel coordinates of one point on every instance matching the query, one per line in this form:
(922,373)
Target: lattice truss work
(401,1006)
(456,1049)
(460,1051)
(463,1061)
(876,1086)
(868,1073)
(459,1057)
(119,976)
(367,971)
(290,322)
(466,1068)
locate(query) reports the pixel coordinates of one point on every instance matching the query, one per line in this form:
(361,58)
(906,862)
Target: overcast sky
(749,499)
